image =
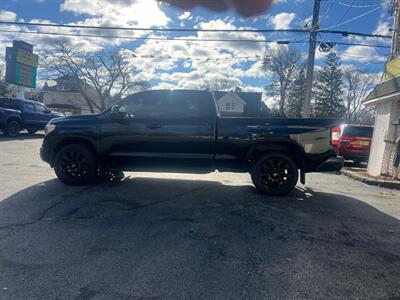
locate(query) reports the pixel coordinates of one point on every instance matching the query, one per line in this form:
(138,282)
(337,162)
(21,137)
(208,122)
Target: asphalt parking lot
(179,236)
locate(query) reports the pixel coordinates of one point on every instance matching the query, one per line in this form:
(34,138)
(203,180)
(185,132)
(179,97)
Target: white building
(240,104)
(231,103)
(386,99)
(66,97)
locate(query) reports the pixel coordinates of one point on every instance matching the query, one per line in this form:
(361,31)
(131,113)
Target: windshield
(354,131)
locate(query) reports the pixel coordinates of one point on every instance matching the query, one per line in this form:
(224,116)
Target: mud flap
(302,177)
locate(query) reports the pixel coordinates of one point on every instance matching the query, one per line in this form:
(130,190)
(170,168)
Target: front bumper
(45,151)
(332,164)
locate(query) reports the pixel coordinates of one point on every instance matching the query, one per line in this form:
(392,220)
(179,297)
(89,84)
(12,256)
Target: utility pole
(395,39)
(311,59)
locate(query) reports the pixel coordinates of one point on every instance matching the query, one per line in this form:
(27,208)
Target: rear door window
(353,131)
(29,107)
(188,104)
(40,109)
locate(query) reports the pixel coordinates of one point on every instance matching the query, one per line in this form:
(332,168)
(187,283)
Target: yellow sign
(27,58)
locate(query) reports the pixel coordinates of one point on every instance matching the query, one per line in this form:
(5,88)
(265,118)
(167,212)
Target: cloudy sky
(184,64)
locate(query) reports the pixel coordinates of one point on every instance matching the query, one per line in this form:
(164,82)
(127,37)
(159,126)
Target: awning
(384,91)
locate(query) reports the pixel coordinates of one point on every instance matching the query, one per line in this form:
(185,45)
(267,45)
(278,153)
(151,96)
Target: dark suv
(355,142)
(17,114)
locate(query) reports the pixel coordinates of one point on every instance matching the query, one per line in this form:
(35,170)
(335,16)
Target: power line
(346,12)
(185,39)
(375,58)
(353,19)
(358,6)
(190,29)
(148,38)
(328,9)
(347,33)
(147,29)
(359,44)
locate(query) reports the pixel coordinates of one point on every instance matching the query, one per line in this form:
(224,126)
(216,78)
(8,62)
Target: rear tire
(274,174)
(12,129)
(75,165)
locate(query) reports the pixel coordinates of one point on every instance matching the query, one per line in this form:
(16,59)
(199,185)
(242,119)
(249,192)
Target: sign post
(21,66)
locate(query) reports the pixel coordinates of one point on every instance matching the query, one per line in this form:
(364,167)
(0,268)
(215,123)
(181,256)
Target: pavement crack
(42,214)
(166,199)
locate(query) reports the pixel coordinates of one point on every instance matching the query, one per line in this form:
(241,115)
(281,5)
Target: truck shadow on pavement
(168,238)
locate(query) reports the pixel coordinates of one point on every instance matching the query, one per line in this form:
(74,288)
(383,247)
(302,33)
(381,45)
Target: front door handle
(154,126)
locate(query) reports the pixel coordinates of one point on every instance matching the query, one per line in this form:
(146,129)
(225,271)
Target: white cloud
(271,102)
(383,28)
(283,20)
(185,16)
(144,13)
(362,54)
(7,16)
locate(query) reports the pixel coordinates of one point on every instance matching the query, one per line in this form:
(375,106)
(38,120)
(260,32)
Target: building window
(233,106)
(227,106)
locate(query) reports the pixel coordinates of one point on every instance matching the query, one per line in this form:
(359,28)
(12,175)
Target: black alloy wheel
(75,165)
(275,174)
(13,128)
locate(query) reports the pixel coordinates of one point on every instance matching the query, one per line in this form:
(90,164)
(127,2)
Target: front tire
(274,174)
(75,165)
(12,129)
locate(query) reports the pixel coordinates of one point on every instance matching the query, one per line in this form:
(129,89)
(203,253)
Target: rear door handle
(154,126)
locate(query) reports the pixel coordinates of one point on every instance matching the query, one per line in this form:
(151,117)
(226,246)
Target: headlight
(49,128)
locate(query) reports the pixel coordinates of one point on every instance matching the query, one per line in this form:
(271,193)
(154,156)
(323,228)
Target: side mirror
(119,114)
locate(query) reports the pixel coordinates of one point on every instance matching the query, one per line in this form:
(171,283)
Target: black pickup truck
(17,114)
(182,131)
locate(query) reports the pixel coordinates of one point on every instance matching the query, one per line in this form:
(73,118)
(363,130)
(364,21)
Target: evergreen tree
(328,92)
(296,95)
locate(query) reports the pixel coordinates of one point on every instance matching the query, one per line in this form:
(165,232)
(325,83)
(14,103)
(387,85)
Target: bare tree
(281,65)
(357,85)
(109,72)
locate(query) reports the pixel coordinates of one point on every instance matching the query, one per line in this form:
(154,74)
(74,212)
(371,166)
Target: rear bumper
(358,156)
(332,164)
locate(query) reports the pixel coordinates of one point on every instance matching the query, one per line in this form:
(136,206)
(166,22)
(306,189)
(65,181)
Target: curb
(371,181)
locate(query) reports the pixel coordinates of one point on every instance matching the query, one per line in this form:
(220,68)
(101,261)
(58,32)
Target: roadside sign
(21,64)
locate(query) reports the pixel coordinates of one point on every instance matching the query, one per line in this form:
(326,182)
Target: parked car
(17,114)
(183,131)
(355,142)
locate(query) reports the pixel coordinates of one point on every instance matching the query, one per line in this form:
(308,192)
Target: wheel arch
(14,118)
(69,141)
(292,149)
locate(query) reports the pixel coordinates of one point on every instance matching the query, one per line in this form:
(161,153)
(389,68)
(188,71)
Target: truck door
(29,114)
(43,115)
(168,125)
